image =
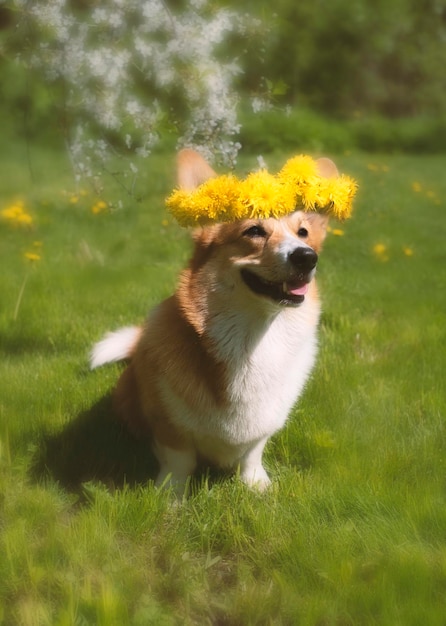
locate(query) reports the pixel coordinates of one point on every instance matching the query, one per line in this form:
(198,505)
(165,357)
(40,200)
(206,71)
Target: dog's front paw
(256,478)
(176,468)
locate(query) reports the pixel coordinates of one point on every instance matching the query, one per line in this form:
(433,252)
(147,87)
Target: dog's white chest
(266,379)
(265,373)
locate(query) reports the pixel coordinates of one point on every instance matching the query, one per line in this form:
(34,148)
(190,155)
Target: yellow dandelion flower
(338,232)
(379,249)
(408,251)
(416,187)
(221,195)
(261,195)
(180,204)
(265,197)
(74,199)
(25,219)
(215,200)
(381,252)
(99,207)
(9,214)
(309,196)
(16,215)
(336,195)
(299,169)
(32,256)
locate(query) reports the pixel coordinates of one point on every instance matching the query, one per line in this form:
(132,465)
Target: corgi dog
(216,368)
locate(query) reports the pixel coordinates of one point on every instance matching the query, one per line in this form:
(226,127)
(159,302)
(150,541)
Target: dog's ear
(192,170)
(327,168)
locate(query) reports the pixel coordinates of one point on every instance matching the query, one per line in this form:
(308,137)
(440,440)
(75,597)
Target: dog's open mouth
(288,293)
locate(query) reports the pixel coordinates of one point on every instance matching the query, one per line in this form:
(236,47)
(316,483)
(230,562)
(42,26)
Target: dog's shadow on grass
(95,446)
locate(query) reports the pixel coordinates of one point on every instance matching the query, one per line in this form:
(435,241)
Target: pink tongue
(299,291)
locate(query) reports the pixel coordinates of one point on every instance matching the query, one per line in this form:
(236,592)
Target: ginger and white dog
(217,367)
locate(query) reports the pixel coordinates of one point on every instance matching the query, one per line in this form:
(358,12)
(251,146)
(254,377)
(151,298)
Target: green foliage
(356,75)
(339,56)
(307,130)
(352,531)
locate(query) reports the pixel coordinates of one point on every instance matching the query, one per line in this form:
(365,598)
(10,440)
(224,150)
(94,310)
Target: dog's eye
(255,231)
(302,232)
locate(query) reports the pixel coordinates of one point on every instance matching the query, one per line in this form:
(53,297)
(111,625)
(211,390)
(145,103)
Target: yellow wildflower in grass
(380,251)
(297,186)
(16,215)
(416,187)
(74,199)
(408,251)
(379,248)
(99,207)
(338,232)
(32,256)
(24,219)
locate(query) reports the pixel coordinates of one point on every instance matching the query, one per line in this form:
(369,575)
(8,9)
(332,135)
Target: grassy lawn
(353,530)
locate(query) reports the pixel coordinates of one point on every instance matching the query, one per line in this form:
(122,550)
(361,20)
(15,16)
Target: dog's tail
(115,346)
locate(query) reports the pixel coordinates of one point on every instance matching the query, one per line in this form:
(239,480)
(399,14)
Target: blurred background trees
(338,73)
(340,57)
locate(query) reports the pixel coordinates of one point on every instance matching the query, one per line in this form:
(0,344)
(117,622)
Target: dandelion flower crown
(298,186)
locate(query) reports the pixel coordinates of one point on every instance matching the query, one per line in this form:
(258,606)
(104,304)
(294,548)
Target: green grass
(353,530)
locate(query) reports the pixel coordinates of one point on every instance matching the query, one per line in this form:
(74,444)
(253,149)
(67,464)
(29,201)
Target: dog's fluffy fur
(217,367)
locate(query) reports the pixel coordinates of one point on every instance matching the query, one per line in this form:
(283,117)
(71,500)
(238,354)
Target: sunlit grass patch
(352,530)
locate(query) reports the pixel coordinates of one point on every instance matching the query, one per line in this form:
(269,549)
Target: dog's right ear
(192,170)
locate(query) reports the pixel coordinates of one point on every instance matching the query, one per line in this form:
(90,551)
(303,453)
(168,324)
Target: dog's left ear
(326,168)
(192,170)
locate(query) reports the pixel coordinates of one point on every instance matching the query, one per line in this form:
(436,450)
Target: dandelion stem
(20,296)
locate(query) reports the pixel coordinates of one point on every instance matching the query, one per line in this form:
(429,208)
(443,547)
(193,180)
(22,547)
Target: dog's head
(273,259)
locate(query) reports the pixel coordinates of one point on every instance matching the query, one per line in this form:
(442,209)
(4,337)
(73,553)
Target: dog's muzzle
(292,291)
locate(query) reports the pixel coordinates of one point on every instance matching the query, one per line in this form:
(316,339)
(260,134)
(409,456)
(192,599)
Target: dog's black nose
(304,259)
